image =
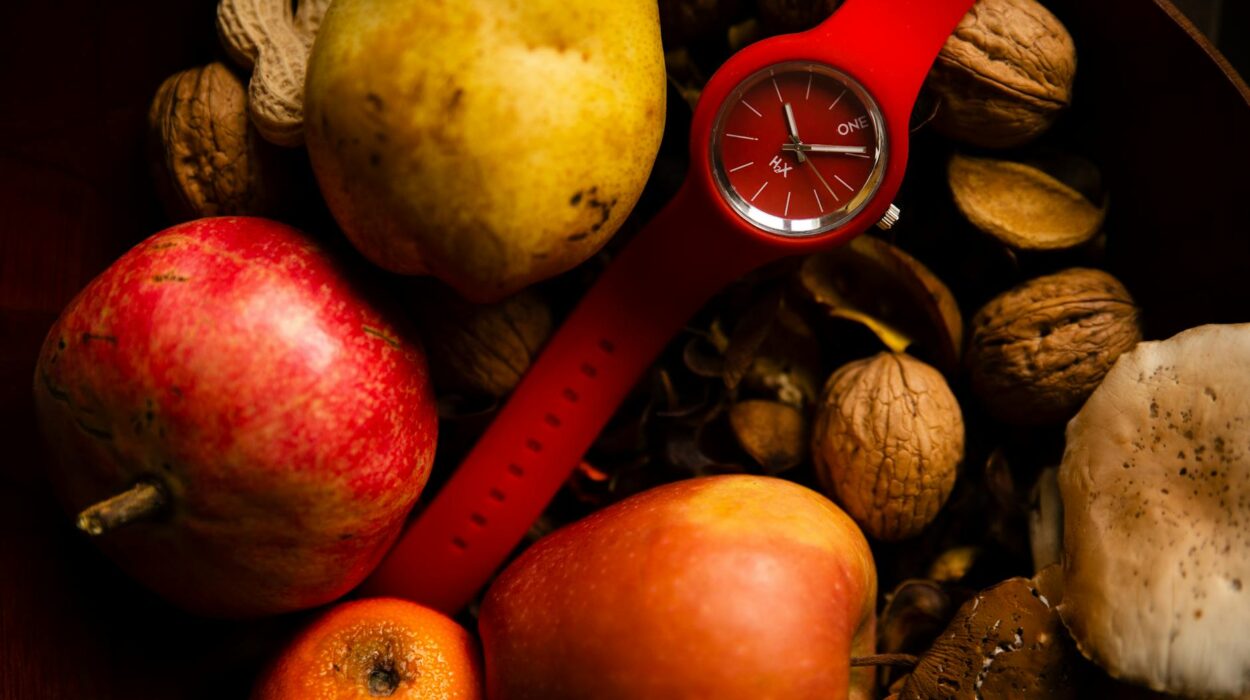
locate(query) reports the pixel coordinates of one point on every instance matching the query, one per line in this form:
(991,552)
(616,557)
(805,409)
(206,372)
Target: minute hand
(824,148)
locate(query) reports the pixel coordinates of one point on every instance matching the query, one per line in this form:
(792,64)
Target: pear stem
(896,660)
(143,500)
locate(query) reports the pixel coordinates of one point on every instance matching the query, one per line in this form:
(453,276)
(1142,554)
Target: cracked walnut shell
(887,440)
(1038,350)
(1004,75)
(207,158)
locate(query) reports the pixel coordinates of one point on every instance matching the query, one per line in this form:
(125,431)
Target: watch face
(798,148)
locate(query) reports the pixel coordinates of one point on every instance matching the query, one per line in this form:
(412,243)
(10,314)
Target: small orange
(378,647)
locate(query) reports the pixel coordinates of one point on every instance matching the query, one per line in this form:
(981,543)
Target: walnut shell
(1004,75)
(886,442)
(1038,350)
(207,158)
(480,349)
(1021,205)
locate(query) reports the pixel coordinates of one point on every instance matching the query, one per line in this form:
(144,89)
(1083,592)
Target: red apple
(723,587)
(264,426)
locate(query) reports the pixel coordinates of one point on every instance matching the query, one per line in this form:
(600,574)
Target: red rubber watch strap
(890,45)
(644,297)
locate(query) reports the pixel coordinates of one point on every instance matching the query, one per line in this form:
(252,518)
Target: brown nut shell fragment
(887,439)
(1004,75)
(1007,642)
(1039,349)
(773,433)
(480,349)
(1021,205)
(206,158)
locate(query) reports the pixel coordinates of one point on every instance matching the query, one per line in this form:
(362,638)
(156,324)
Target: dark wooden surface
(1159,113)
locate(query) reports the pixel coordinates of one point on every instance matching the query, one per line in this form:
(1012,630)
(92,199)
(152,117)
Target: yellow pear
(490,143)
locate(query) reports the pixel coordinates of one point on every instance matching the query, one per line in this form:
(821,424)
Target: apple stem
(897,660)
(143,500)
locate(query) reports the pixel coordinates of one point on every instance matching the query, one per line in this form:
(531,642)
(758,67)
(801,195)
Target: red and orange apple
(723,587)
(378,647)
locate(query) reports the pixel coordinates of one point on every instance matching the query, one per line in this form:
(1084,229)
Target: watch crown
(891,217)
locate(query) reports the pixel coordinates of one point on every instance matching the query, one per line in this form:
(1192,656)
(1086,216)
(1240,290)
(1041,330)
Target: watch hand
(822,180)
(794,132)
(825,148)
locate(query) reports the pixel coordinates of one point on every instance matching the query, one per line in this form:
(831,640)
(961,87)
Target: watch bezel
(799,228)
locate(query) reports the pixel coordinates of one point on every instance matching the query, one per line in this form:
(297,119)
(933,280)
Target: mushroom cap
(1156,494)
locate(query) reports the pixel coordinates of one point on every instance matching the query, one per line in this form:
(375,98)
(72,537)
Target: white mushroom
(1156,496)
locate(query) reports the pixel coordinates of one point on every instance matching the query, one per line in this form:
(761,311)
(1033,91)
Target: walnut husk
(1021,205)
(206,158)
(1004,75)
(1038,350)
(887,440)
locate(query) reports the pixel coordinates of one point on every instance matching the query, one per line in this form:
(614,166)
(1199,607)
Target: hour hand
(801,148)
(793,129)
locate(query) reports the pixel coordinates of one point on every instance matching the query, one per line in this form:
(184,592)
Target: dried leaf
(774,354)
(702,358)
(749,335)
(914,614)
(774,434)
(873,283)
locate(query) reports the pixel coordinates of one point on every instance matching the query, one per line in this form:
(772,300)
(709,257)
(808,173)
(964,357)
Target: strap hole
(478,519)
(516,470)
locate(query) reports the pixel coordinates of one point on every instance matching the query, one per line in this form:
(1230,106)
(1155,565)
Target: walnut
(480,349)
(1004,75)
(1038,350)
(207,159)
(886,442)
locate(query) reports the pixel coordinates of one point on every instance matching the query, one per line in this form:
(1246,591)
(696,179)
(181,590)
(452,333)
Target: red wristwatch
(798,143)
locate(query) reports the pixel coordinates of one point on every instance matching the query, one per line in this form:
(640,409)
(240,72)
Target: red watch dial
(798,148)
